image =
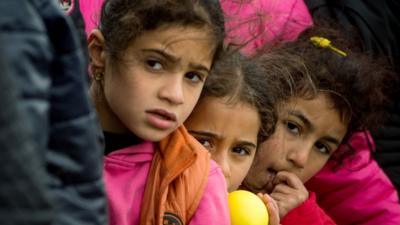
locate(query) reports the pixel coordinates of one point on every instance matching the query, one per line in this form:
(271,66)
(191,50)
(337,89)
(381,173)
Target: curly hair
(123,20)
(357,84)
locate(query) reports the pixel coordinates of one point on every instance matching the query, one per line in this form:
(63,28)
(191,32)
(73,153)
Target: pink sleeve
(213,207)
(259,22)
(90,10)
(359,193)
(308,213)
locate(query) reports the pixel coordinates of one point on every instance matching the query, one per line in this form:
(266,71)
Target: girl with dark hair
(345,92)
(150,59)
(235,112)
(376,28)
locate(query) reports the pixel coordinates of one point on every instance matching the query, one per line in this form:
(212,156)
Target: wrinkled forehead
(173,33)
(168,37)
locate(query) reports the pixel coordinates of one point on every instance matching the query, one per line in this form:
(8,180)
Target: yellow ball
(247,208)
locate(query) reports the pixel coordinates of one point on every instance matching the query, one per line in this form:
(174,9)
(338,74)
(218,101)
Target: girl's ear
(96,48)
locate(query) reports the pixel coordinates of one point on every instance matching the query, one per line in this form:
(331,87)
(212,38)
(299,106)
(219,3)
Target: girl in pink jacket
(255,23)
(358,192)
(149,62)
(338,93)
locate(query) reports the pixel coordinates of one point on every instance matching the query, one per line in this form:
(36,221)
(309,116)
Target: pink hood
(358,194)
(258,22)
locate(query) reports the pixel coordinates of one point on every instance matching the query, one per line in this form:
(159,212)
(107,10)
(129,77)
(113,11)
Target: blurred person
(41,51)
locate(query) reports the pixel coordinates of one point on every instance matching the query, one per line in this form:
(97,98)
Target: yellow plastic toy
(247,208)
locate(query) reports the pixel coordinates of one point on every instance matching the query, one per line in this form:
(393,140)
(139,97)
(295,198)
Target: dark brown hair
(241,79)
(357,84)
(123,20)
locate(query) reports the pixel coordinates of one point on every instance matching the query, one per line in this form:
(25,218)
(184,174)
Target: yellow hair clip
(325,43)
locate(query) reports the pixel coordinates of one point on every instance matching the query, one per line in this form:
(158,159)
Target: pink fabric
(258,22)
(90,10)
(213,207)
(125,173)
(363,196)
(308,213)
(261,21)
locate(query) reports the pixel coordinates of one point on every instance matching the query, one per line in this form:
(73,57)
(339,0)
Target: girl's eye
(241,151)
(322,148)
(205,143)
(154,64)
(193,77)
(293,128)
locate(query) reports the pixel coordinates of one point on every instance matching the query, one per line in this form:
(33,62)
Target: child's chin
(154,135)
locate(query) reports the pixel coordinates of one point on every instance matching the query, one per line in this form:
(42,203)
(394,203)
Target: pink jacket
(260,22)
(125,173)
(308,213)
(359,194)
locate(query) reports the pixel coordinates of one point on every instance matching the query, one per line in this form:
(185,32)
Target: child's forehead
(171,36)
(173,45)
(178,30)
(308,103)
(215,103)
(317,115)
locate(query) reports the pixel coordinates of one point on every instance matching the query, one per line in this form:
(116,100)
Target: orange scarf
(176,182)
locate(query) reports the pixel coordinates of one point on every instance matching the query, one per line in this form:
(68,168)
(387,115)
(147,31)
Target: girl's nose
(298,155)
(222,160)
(172,90)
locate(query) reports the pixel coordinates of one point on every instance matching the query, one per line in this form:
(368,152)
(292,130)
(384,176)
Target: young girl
(374,173)
(235,113)
(346,93)
(149,61)
(230,100)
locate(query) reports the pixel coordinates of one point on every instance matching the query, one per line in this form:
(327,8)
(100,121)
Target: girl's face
(229,132)
(306,135)
(157,82)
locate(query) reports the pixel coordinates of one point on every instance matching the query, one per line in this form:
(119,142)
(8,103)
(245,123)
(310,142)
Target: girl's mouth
(271,174)
(266,186)
(161,119)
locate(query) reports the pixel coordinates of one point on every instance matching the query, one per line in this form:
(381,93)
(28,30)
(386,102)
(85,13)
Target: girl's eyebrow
(164,54)
(302,117)
(332,140)
(310,126)
(199,67)
(248,143)
(174,59)
(203,133)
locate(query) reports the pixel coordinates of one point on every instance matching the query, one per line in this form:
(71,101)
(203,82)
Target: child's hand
(272,206)
(289,192)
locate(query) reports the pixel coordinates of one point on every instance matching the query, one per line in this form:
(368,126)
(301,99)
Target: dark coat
(41,49)
(23,192)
